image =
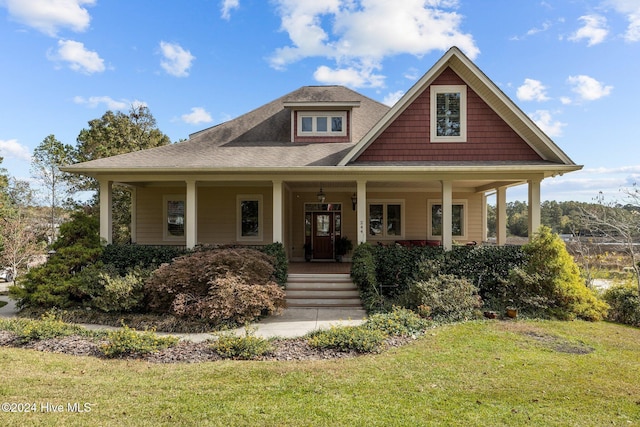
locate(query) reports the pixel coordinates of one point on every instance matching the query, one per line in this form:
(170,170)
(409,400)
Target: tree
(19,233)
(618,223)
(517,218)
(112,134)
(47,159)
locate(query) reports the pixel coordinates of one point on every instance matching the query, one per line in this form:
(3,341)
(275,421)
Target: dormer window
(448,113)
(322,123)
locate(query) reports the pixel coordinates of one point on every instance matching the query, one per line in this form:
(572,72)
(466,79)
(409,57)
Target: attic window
(449,113)
(320,123)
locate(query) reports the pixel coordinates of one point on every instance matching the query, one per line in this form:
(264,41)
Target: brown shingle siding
(489,138)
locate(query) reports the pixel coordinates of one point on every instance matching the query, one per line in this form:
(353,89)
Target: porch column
(278,200)
(134,217)
(501,216)
(447,210)
(362,211)
(106,211)
(191,223)
(534,206)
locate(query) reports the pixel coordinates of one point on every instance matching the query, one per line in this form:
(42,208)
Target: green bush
(48,326)
(127,257)
(398,322)
(625,304)
(55,284)
(550,284)
(120,293)
(221,285)
(245,347)
(363,273)
(347,338)
(127,341)
(280,263)
(449,298)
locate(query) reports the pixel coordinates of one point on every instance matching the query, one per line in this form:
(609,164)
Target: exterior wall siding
(217,211)
(489,138)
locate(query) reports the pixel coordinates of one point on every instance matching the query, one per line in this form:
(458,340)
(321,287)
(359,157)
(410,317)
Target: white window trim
(386,202)
(435,90)
(247,198)
(465,220)
(165,217)
(328,115)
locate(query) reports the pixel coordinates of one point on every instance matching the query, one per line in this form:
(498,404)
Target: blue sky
(572,65)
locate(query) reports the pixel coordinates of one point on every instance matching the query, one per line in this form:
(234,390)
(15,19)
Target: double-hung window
(386,219)
(319,123)
(458,219)
(174,217)
(448,113)
(250,223)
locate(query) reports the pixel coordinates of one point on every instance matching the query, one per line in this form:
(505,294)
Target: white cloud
(177,60)
(532,90)
(78,57)
(12,149)
(392,98)
(543,119)
(343,31)
(49,16)
(630,8)
(594,30)
(227,7)
(110,103)
(198,115)
(588,88)
(565,100)
(352,76)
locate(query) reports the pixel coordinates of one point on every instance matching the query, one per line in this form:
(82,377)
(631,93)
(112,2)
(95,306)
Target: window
(174,217)
(448,113)
(458,219)
(250,224)
(314,123)
(386,219)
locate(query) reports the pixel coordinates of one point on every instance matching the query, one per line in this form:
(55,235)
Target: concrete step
(321,290)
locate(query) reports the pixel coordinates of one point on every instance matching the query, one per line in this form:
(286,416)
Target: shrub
(48,326)
(126,341)
(625,304)
(281,263)
(222,285)
(398,322)
(245,347)
(363,273)
(54,284)
(448,297)
(347,338)
(120,294)
(550,282)
(127,257)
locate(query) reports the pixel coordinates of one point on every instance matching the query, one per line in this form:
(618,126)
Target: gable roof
(258,139)
(487,90)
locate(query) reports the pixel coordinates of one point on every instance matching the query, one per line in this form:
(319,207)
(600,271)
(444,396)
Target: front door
(323,235)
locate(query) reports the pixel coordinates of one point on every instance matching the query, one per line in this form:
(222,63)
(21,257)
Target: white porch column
(447,210)
(134,214)
(106,211)
(361,216)
(534,206)
(278,200)
(191,223)
(501,216)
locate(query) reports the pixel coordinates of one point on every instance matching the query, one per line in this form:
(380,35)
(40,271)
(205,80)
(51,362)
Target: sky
(571,65)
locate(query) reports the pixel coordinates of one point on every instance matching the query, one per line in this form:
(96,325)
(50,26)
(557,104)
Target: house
(324,161)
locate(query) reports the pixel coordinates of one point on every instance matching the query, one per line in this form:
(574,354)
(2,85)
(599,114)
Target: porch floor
(319,267)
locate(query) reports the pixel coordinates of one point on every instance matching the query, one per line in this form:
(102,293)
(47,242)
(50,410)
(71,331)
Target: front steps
(321,291)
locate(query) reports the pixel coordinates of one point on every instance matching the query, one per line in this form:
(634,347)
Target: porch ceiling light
(321,196)
(354,201)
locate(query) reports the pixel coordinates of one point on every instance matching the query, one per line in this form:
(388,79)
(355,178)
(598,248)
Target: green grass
(479,373)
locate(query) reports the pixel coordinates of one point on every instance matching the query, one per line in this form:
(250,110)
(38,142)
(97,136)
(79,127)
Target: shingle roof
(260,138)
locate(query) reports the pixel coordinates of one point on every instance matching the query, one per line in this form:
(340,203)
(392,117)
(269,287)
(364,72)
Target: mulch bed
(187,351)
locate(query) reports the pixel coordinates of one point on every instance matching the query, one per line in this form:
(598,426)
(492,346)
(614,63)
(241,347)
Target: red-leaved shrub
(220,285)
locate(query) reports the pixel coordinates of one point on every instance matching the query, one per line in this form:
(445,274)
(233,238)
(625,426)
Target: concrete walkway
(293,322)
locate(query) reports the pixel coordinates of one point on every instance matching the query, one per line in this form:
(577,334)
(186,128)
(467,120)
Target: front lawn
(476,373)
